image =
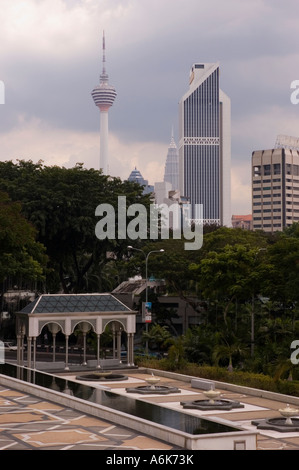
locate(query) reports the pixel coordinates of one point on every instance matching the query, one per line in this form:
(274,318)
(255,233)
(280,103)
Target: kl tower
(104,96)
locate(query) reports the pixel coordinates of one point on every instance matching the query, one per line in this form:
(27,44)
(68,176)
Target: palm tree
(285,365)
(157,336)
(228,350)
(176,352)
(199,343)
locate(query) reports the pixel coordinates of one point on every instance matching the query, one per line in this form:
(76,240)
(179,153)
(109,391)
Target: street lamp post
(146,256)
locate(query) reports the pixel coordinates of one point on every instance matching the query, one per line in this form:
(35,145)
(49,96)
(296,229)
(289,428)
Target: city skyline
(49,64)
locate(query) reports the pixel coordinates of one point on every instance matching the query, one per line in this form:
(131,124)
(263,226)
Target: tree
(199,342)
(172,267)
(228,347)
(61,204)
(229,274)
(20,255)
(284,257)
(176,352)
(157,336)
(285,366)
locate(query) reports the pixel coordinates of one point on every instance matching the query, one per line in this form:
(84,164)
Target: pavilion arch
(67,311)
(117,327)
(47,323)
(122,324)
(84,328)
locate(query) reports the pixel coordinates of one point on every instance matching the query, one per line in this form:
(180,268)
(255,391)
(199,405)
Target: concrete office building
(205,145)
(275,185)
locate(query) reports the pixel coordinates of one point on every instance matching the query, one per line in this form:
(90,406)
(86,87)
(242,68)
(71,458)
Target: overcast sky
(51,60)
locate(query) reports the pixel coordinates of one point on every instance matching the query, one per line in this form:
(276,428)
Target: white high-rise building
(205,145)
(104,96)
(171,173)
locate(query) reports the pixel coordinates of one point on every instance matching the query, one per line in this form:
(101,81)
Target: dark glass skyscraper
(204,147)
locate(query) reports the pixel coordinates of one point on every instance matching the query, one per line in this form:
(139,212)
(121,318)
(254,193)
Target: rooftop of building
(242,217)
(29,422)
(71,303)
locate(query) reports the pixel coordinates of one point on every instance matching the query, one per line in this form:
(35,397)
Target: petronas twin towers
(171,174)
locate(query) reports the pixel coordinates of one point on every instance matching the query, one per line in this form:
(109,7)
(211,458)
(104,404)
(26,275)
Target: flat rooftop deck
(28,422)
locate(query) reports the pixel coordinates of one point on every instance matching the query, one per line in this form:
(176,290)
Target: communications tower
(104,96)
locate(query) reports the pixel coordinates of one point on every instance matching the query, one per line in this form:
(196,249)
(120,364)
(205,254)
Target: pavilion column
(22,348)
(54,328)
(114,345)
(84,349)
(85,328)
(29,347)
(54,347)
(130,349)
(34,352)
(119,345)
(98,350)
(18,349)
(66,352)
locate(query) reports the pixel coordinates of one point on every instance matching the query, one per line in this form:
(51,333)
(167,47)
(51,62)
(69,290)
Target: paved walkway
(28,422)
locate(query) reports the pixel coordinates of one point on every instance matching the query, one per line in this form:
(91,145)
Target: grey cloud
(149,64)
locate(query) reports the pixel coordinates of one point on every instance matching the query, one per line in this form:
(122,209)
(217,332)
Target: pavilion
(65,313)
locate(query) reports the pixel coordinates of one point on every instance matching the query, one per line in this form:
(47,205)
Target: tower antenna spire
(104,75)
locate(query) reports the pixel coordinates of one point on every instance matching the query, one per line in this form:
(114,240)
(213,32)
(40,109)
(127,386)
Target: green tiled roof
(64,303)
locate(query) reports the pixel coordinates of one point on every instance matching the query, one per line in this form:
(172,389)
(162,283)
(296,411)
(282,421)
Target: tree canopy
(20,255)
(60,203)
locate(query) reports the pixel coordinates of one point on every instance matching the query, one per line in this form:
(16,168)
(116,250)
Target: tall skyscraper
(171,173)
(104,96)
(205,145)
(275,185)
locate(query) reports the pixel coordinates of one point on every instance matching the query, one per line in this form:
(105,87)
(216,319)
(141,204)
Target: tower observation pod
(104,96)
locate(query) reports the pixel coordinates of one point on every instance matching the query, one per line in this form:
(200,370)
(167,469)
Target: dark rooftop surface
(62,303)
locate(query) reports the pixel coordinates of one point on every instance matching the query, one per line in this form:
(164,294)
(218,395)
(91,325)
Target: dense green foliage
(242,285)
(220,374)
(61,203)
(20,254)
